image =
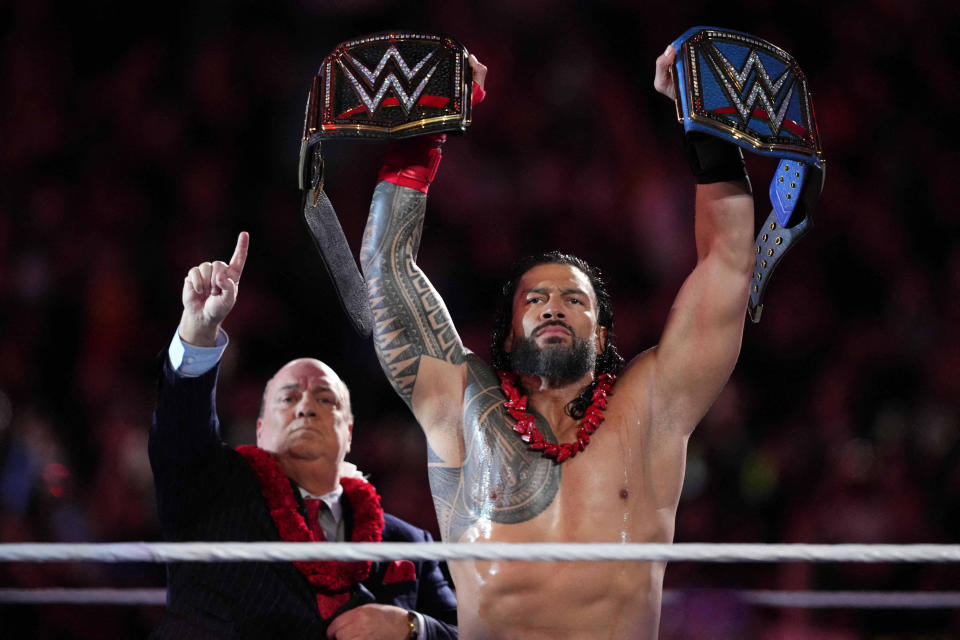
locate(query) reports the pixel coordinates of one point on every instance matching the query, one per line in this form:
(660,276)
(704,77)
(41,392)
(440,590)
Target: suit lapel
(265,529)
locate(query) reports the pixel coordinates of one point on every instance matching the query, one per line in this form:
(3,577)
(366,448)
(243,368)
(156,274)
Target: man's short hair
(608,361)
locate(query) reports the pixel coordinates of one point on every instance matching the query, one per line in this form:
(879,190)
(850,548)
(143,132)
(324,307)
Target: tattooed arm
(477,465)
(416,342)
(415,339)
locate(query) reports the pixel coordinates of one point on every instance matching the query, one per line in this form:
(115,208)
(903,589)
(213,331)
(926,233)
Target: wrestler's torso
(505,492)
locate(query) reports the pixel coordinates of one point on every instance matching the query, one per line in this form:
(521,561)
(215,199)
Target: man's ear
(259,429)
(601,339)
(349,439)
(508,342)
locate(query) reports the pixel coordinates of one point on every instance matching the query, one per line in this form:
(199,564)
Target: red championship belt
(391,85)
(386,85)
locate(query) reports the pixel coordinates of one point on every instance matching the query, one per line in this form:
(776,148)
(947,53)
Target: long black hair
(608,361)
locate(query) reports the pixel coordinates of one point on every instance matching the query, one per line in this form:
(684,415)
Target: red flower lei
(516,406)
(333,580)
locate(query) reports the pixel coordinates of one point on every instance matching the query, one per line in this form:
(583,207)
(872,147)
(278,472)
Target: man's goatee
(557,363)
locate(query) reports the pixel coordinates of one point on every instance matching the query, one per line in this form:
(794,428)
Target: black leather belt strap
(328,237)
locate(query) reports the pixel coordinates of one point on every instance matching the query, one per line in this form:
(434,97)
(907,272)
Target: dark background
(137,139)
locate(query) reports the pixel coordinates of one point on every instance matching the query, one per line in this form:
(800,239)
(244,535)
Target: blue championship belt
(385,85)
(742,89)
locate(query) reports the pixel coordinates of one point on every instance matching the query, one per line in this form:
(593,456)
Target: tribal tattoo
(501,479)
(498,479)
(410,319)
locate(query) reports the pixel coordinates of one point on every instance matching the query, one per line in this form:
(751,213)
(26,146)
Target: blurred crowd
(137,140)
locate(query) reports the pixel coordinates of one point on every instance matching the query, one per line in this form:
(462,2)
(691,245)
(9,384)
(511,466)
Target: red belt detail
(788,124)
(437,102)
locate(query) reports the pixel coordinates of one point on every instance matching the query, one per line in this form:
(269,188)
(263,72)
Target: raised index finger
(239,255)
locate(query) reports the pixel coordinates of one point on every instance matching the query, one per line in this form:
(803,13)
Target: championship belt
(744,90)
(386,85)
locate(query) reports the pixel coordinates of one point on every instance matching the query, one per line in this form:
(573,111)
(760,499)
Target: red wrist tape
(479,93)
(413,163)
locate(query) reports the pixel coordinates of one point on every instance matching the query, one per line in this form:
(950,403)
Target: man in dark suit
(293,486)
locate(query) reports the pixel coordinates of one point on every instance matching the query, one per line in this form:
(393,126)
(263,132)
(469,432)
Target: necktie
(314,506)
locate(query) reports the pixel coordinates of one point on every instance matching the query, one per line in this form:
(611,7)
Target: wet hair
(608,361)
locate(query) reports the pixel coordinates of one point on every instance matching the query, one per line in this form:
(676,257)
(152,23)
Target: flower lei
(516,406)
(333,580)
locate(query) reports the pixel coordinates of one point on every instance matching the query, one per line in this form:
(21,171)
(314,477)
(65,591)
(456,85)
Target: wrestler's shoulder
(479,370)
(636,377)
(641,365)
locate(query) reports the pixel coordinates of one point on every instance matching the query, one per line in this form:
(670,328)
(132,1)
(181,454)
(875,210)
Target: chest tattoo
(501,480)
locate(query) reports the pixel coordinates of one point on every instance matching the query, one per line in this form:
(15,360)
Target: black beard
(557,363)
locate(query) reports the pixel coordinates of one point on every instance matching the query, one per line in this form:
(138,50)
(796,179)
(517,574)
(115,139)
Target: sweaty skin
(489,487)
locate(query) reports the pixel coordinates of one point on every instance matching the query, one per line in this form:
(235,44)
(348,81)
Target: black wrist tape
(714,160)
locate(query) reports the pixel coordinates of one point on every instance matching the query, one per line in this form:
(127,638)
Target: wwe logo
(762,88)
(407,98)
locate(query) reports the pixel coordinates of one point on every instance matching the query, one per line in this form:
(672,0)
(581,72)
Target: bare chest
(518,494)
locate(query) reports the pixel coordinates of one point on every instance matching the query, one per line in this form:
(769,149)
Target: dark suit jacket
(207,492)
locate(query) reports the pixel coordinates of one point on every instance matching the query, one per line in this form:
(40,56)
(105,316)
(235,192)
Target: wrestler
(553,345)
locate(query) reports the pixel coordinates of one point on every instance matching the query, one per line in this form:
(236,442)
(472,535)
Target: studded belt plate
(391,85)
(386,85)
(745,90)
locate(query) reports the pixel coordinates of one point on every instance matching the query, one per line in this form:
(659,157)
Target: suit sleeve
(184,426)
(436,601)
(184,445)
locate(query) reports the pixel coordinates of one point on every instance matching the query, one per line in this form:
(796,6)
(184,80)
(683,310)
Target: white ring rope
(551,552)
(804,599)
(84,596)
(853,599)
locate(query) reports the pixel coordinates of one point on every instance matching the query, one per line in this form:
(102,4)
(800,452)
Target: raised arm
(416,342)
(185,420)
(702,337)
(411,322)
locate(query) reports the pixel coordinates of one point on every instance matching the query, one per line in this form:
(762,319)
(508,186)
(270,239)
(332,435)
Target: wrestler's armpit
(446,485)
(410,319)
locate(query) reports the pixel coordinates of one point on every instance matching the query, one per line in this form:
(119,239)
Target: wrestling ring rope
(524,551)
(756,597)
(535,552)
